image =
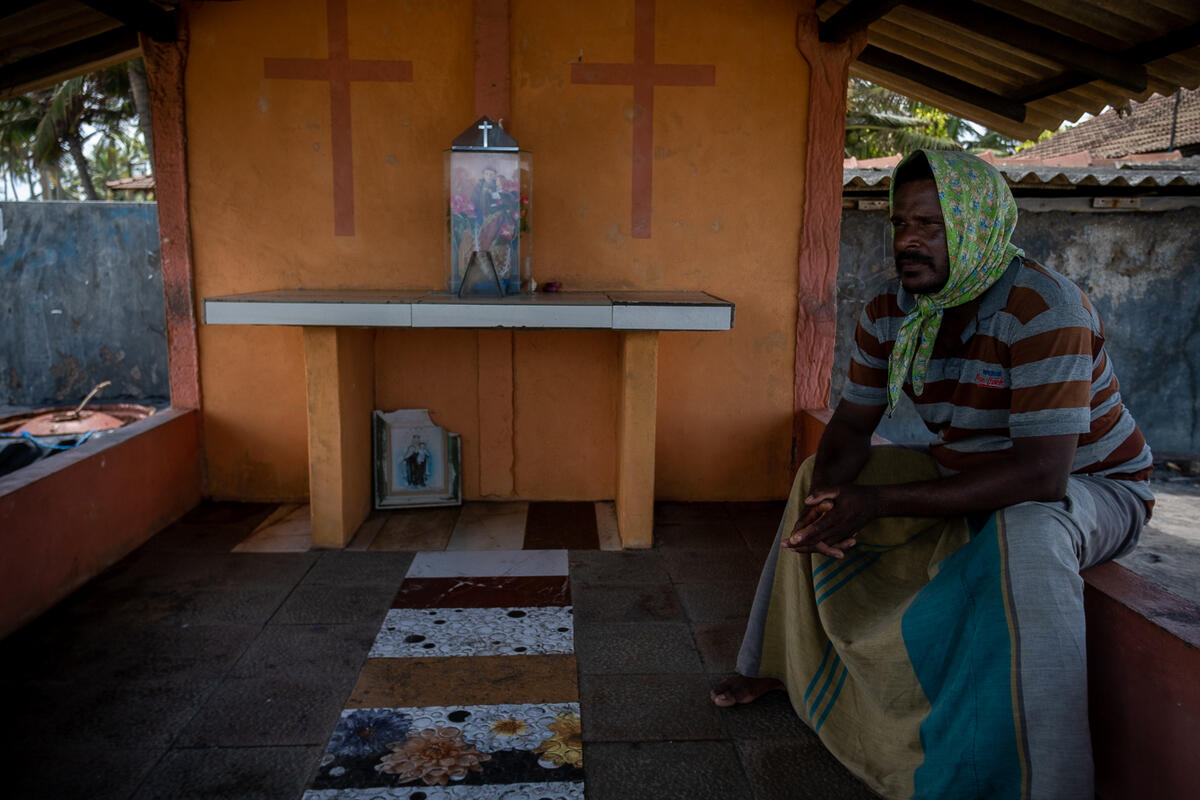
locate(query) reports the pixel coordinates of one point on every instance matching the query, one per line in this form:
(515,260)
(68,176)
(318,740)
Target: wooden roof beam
(1049,44)
(855,16)
(28,72)
(140,15)
(949,85)
(1166,45)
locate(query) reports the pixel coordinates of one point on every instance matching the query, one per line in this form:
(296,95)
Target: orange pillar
(636,422)
(339,370)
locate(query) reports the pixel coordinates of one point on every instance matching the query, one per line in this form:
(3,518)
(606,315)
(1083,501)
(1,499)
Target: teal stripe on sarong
(821,598)
(833,670)
(843,565)
(957,636)
(817,676)
(832,699)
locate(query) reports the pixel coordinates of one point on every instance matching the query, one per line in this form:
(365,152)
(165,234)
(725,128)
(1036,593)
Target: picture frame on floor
(416,462)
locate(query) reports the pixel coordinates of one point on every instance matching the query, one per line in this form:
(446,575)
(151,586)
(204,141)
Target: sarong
(945,657)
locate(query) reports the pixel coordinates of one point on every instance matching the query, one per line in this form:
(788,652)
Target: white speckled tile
(488,563)
(429,632)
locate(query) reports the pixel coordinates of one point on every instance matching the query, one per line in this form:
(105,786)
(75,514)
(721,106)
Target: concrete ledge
(66,518)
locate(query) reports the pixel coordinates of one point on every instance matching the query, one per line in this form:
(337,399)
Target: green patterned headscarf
(980,214)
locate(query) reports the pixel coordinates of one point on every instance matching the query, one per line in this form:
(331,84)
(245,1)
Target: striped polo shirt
(1030,362)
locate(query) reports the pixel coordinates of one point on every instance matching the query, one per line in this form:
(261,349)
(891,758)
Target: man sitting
(924,612)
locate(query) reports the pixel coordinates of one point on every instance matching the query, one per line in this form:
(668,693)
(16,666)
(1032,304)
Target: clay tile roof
(131,184)
(1147,128)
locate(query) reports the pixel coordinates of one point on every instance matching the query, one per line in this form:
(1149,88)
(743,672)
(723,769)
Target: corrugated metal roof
(1023,66)
(1182,172)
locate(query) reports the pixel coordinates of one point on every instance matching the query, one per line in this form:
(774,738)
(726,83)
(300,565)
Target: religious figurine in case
(487,188)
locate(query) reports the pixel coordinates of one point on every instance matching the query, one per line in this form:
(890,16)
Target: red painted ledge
(66,518)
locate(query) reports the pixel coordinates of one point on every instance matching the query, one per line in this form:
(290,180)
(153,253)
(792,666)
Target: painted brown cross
(339,70)
(643,74)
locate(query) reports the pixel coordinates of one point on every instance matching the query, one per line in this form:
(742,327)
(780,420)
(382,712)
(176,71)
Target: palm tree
(880,122)
(64,118)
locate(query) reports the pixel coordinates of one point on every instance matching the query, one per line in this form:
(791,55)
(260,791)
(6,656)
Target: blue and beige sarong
(944,657)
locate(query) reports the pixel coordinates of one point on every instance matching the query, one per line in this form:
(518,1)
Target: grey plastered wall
(81,302)
(1142,272)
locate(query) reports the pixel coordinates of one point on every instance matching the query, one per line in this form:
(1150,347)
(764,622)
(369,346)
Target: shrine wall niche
(702,192)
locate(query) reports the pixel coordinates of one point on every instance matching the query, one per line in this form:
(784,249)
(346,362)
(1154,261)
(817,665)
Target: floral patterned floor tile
(417,632)
(529,750)
(512,791)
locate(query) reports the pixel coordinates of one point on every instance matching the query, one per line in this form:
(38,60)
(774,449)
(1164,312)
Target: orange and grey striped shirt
(1031,362)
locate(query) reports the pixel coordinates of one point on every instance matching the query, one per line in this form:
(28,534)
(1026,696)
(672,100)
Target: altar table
(339,375)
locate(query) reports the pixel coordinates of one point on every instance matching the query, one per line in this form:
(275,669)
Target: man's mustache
(913,258)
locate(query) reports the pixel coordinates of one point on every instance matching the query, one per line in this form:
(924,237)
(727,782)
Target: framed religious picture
(417,463)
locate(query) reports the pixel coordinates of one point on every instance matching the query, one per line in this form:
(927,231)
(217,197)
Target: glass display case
(487,188)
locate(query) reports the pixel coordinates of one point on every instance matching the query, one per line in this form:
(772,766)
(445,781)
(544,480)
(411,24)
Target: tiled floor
(192,671)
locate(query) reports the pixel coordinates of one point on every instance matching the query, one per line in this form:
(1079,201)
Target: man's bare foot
(740,689)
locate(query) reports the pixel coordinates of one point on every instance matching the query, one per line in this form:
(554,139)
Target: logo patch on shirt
(991,378)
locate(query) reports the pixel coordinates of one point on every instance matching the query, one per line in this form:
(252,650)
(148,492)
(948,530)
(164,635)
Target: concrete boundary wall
(81,301)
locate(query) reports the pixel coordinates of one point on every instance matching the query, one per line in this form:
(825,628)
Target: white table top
(695,311)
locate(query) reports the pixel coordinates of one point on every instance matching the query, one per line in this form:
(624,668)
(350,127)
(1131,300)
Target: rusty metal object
(67,421)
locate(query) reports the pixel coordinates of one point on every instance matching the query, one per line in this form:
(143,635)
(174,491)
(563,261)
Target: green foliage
(880,122)
(65,141)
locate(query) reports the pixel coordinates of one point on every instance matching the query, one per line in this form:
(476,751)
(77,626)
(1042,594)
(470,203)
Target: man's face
(919,239)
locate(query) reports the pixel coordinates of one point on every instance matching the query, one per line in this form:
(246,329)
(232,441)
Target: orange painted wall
(727,190)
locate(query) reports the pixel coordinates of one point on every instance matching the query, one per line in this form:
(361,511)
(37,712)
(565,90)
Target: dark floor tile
(701,566)
(97,713)
(149,570)
(758,529)
(335,604)
(256,773)
(185,653)
(130,606)
(670,513)
(550,526)
(518,591)
(67,772)
(717,602)
(629,603)
(798,769)
(274,711)
(359,568)
(615,567)
(718,643)
(307,650)
(215,513)
(633,708)
(769,717)
(636,648)
(663,771)
(716,535)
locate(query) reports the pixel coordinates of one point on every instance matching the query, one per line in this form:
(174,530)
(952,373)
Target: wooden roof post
(821,215)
